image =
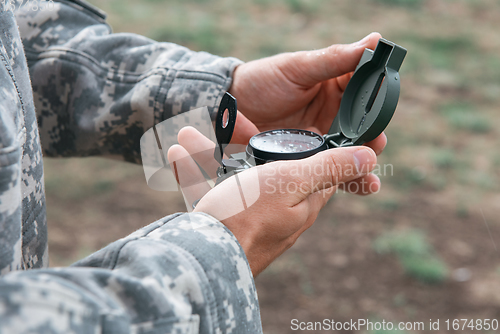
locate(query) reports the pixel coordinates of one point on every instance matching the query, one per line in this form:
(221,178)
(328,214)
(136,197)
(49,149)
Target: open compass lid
(370,98)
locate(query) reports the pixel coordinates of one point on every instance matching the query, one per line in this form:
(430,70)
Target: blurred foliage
(394,331)
(303,6)
(462,211)
(444,158)
(390,204)
(464,116)
(406,177)
(383,331)
(410,243)
(425,269)
(74,180)
(203,35)
(410,3)
(415,254)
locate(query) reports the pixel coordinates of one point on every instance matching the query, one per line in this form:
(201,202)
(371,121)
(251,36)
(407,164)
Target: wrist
(260,249)
(233,89)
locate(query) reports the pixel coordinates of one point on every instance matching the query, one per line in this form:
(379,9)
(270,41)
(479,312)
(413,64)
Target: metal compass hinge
(337,140)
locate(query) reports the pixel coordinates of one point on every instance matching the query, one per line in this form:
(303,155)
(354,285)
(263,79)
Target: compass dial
(286,141)
(286,144)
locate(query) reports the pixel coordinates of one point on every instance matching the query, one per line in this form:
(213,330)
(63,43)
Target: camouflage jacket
(96,93)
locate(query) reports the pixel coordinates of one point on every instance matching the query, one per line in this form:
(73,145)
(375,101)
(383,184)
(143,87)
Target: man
(96,93)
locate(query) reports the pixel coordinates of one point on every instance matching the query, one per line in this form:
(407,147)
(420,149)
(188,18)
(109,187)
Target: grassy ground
(426,247)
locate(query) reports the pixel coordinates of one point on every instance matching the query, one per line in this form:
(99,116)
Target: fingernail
(362,160)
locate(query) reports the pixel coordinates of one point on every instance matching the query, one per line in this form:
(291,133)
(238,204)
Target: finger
(244,129)
(326,103)
(307,68)
(188,174)
(343,80)
(323,170)
(316,201)
(200,148)
(378,144)
(366,185)
(313,129)
(311,207)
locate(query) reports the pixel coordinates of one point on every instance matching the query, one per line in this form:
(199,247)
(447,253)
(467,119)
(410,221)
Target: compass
(367,106)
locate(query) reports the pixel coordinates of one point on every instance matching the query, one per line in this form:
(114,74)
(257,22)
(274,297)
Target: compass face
(286,141)
(286,144)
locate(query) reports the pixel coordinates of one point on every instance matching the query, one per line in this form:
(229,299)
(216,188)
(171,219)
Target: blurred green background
(426,247)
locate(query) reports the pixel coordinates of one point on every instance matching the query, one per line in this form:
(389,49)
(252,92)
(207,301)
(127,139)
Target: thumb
(308,68)
(328,169)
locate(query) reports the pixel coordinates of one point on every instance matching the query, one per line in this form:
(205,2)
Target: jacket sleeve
(183,274)
(97,92)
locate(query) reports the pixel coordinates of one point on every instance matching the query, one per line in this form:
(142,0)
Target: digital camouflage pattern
(116,86)
(183,274)
(23,226)
(96,93)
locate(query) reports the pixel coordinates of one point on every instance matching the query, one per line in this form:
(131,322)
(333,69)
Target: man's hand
(299,90)
(291,194)
(287,195)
